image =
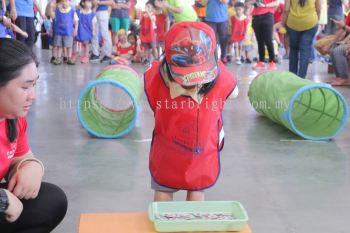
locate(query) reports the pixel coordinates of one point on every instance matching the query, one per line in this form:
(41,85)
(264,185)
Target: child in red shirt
(162,26)
(187,90)
(124,50)
(147,34)
(135,42)
(239,24)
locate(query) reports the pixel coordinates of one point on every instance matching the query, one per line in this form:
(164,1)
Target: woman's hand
(25,183)
(14,209)
(6,21)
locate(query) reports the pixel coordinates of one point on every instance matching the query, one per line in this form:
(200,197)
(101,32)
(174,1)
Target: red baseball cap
(190,53)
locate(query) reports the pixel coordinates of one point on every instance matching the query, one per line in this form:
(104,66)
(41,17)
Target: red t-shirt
(146,30)
(278,15)
(16,149)
(263,10)
(160,26)
(126,50)
(239,28)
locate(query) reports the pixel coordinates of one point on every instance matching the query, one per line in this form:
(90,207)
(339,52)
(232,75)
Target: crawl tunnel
(108,106)
(314,111)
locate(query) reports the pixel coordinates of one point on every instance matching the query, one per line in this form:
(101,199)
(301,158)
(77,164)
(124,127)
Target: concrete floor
(287,186)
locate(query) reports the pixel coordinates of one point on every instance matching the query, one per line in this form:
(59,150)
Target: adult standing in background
(180,9)
(22,12)
(102,17)
(119,18)
(217,18)
(301,18)
(263,23)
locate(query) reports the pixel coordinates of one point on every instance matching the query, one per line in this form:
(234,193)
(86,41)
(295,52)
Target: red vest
(187,137)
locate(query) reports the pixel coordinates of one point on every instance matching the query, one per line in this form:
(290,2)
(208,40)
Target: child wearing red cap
(187,92)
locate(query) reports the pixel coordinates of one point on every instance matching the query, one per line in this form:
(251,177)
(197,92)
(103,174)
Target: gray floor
(287,186)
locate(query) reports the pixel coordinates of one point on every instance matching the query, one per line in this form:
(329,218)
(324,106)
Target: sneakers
(94,58)
(52,60)
(238,61)
(57,61)
(272,66)
(259,65)
(70,61)
(248,61)
(106,59)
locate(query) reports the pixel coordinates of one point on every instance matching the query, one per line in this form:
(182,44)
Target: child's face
(122,38)
(131,39)
(65,4)
(88,5)
(149,8)
(239,11)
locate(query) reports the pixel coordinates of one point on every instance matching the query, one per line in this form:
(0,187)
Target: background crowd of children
(120,31)
(123,33)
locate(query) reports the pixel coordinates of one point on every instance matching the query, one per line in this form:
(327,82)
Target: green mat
(311,110)
(105,122)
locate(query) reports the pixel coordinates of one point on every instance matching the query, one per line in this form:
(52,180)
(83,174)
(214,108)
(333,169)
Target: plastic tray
(233,207)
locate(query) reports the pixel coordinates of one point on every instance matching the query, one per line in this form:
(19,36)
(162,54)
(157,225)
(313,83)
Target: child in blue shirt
(65,28)
(86,28)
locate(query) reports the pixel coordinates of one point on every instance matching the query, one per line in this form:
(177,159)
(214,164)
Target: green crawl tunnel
(108,107)
(311,110)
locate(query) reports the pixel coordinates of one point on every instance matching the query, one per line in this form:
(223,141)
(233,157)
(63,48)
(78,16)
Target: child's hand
(6,21)
(338,24)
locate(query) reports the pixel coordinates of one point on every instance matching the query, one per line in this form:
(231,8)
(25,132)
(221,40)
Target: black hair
(205,87)
(14,56)
(133,35)
(239,4)
(152,2)
(302,3)
(231,3)
(82,2)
